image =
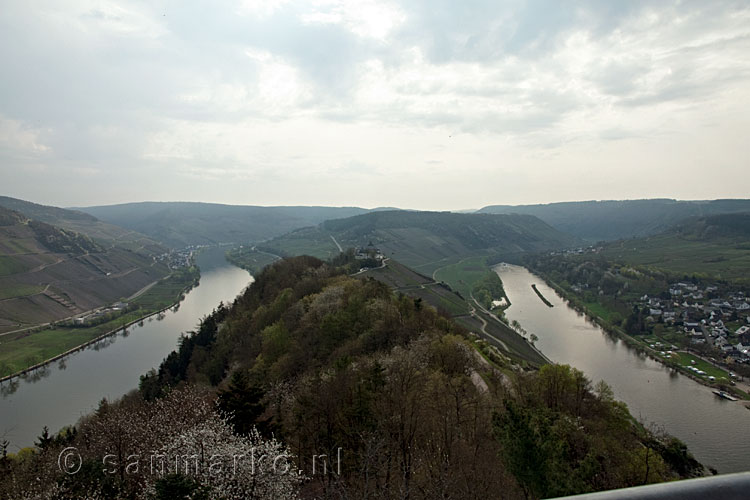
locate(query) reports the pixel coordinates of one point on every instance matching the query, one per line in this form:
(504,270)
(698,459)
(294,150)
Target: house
(654,312)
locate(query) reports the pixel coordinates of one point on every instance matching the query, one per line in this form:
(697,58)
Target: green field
(10,291)
(685,359)
(462,275)
(598,309)
(321,247)
(10,265)
(249,259)
(26,349)
(720,258)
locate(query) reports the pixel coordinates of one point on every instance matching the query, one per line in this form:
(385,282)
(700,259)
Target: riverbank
(20,355)
(635,344)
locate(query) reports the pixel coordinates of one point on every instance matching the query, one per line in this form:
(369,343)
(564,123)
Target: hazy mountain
(184,223)
(425,239)
(612,220)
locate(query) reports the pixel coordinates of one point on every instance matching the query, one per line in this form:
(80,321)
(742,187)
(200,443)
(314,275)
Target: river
(65,390)
(716,431)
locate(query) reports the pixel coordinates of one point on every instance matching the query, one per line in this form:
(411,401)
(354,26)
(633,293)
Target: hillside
(48,273)
(179,224)
(717,246)
(611,220)
(86,224)
(716,227)
(425,241)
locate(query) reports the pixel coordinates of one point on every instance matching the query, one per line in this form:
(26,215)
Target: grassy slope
(722,258)
(19,351)
(462,275)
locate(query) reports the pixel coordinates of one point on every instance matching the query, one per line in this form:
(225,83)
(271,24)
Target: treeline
(374,394)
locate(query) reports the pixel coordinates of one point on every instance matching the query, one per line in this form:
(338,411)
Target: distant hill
(426,240)
(722,226)
(179,224)
(48,273)
(611,220)
(83,223)
(717,247)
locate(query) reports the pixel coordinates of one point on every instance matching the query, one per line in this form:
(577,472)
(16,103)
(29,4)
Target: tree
(522,436)
(243,404)
(44,440)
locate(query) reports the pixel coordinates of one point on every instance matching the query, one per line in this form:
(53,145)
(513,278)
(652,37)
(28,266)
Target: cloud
(20,141)
(331,90)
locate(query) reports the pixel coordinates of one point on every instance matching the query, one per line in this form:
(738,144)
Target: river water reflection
(716,431)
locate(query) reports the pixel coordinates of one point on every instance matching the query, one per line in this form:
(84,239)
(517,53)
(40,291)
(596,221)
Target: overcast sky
(419,104)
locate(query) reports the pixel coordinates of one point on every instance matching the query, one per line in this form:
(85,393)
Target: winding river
(60,393)
(716,431)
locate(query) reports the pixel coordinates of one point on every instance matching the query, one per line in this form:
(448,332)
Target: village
(705,317)
(176,259)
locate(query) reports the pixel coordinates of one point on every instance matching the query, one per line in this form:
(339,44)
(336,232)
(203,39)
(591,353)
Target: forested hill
(612,220)
(394,394)
(426,240)
(179,224)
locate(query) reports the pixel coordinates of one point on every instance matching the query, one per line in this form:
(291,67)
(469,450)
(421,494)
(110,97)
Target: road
(364,270)
(118,275)
(337,243)
(484,329)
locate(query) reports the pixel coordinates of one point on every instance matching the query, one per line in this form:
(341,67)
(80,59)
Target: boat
(724,395)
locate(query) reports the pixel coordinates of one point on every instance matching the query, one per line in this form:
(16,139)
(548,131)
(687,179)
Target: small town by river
(716,431)
(60,393)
